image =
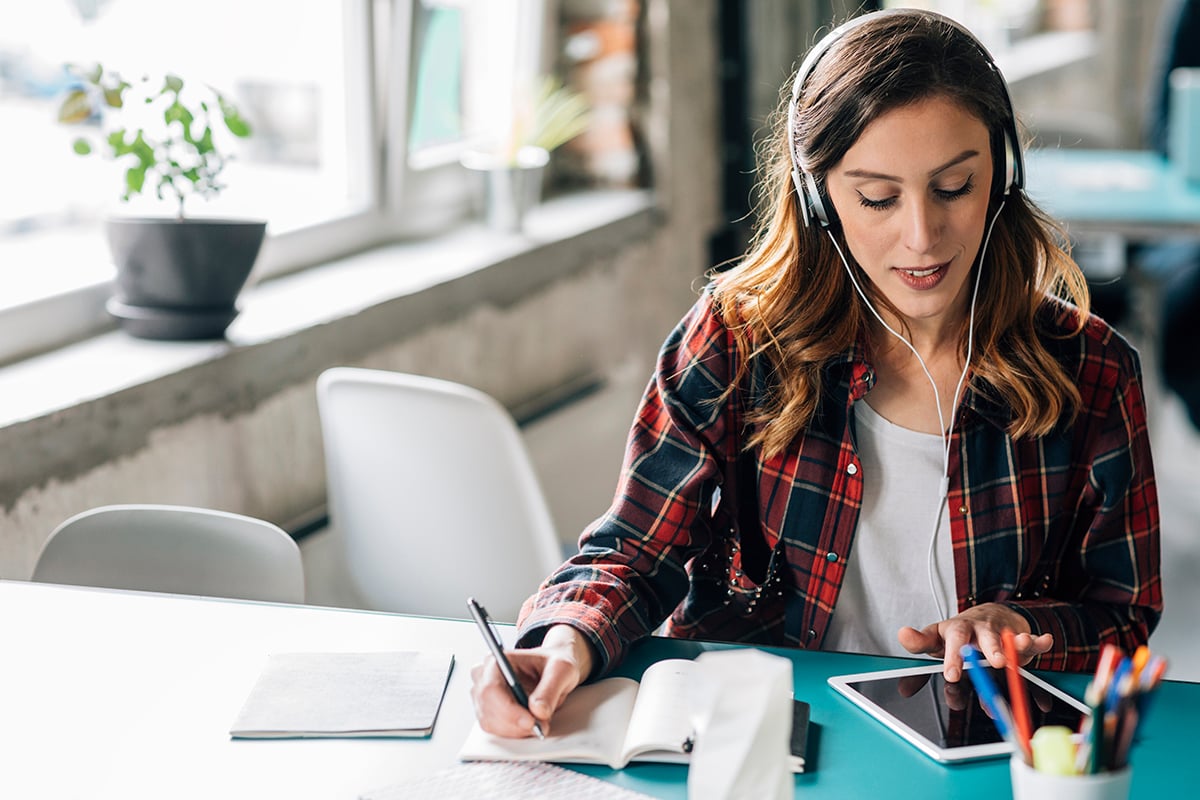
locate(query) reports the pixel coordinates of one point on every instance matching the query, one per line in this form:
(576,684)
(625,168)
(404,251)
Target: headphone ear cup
(1010,163)
(1014,159)
(1006,161)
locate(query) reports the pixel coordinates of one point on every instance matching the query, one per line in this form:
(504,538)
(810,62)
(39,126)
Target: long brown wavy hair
(789,300)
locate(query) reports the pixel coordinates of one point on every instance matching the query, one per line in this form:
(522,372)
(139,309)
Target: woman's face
(912,197)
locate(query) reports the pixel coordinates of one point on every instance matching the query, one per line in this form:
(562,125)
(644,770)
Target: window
(457,45)
(360,109)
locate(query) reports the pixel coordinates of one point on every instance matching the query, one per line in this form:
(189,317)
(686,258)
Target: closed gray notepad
(306,695)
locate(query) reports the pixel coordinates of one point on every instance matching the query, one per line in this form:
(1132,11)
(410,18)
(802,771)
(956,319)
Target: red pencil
(1017,697)
(1110,654)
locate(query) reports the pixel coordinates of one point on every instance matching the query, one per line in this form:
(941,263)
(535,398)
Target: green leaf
(82,146)
(237,125)
(204,144)
(178,112)
(173,83)
(234,121)
(135,179)
(143,151)
(114,96)
(75,108)
(116,140)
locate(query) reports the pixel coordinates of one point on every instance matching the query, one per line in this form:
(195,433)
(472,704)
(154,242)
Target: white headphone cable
(944,488)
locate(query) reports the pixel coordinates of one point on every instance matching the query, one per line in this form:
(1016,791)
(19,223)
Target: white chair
(433,495)
(176,549)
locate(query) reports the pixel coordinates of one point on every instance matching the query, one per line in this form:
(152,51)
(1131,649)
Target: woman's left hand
(981,626)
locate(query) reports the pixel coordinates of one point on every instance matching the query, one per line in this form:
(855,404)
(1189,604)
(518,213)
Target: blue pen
(1114,702)
(1116,686)
(986,689)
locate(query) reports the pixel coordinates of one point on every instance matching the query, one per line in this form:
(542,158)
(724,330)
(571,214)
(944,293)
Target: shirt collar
(985,403)
(856,371)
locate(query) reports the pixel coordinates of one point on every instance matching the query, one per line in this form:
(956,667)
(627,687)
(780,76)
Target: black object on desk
(799,742)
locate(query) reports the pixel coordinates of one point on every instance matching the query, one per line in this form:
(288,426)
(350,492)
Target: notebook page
(660,720)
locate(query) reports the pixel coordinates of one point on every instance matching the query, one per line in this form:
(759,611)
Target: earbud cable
(945,432)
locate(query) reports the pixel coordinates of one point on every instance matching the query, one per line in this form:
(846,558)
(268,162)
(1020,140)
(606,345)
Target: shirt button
(812,634)
(852,468)
(831,557)
(962,509)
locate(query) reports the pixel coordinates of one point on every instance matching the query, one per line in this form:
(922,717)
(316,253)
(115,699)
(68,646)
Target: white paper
(742,712)
(345,694)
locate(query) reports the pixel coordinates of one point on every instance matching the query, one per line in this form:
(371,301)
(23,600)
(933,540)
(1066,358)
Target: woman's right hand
(548,672)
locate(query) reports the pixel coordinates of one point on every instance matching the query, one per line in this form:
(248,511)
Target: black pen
(493,642)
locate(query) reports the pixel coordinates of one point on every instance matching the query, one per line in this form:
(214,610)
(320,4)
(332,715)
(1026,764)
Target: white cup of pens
(1054,762)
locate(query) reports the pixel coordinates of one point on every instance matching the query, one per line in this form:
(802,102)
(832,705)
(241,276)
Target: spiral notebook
(506,780)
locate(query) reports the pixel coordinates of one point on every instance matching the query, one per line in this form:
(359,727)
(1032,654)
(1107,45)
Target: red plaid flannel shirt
(1063,528)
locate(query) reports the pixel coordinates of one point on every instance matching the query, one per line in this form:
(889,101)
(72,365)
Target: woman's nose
(923,226)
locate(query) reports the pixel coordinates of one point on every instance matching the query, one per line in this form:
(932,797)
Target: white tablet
(946,721)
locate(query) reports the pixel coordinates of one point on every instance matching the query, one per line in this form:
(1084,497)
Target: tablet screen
(950,715)
(947,720)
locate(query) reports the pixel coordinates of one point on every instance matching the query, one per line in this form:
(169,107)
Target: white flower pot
(510,188)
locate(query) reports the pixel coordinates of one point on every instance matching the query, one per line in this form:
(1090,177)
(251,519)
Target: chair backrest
(433,494)
(177,549)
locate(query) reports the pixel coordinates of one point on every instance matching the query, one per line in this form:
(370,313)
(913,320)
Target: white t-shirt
(887,582)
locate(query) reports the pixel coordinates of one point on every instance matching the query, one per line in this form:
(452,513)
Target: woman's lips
(922,278)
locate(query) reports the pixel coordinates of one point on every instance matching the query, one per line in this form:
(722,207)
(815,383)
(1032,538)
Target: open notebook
(616,721)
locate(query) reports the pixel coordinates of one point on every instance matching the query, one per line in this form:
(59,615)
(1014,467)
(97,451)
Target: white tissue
(741,707)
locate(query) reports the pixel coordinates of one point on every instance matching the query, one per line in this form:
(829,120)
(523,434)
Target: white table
(121,695)
(77,667)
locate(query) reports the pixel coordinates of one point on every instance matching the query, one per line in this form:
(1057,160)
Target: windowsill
(283,333)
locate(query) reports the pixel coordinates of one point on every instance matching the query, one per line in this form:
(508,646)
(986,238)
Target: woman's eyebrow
(958,159)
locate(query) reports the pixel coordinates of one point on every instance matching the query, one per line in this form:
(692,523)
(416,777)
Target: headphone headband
(812,201)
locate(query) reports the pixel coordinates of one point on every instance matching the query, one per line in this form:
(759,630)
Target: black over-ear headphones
(813,203)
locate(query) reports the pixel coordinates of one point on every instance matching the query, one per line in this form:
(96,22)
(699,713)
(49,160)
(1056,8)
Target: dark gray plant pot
(180,279)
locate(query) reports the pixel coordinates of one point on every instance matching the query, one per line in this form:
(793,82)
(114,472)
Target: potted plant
(177,277)
(543,120)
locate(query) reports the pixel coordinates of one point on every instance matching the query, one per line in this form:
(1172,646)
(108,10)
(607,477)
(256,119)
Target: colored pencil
(1017,696)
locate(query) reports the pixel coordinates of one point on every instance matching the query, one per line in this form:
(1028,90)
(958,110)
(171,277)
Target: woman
(890,427)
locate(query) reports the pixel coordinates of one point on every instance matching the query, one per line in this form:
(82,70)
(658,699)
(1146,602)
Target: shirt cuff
(595,626)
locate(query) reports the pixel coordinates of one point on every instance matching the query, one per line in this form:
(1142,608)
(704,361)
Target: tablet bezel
(945,755)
